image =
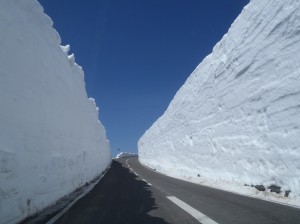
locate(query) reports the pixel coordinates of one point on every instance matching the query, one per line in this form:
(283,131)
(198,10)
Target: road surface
(130,193)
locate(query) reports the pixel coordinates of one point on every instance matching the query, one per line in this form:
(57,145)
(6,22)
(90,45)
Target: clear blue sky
(136,54)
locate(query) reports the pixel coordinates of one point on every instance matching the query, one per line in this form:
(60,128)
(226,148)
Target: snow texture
(125,154)
(51,141)
(236,119)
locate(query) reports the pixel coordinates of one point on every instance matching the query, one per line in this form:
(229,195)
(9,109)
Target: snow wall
(51,141)
(236,118)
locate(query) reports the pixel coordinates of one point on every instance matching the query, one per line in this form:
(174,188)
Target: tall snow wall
(236,118)
(51,141)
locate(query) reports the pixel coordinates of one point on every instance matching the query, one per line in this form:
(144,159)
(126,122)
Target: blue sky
(136,54)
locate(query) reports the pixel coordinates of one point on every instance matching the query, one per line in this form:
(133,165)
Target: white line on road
(136,173)
(147,182)
(63,211)
(193,212)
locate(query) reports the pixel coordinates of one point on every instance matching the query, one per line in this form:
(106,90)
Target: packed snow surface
(125,154)
(51,141)
(236,119)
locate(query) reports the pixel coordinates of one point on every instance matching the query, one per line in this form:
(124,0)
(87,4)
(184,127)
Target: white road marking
(131,168)
(127,162)
(136,173)
(63,211)
(193,212)
(147,182)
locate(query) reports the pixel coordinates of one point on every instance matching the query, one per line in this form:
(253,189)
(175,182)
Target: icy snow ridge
(51,141)
(236,119)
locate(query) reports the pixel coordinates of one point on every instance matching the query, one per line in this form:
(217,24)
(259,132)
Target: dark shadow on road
(120,197)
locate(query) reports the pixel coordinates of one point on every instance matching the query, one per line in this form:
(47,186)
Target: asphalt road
(131,193)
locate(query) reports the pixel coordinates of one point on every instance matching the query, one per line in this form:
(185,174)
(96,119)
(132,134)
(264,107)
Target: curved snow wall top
(51,141)
(236,118)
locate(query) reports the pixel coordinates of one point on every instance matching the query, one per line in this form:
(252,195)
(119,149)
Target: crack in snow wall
(51,141)
(236,118)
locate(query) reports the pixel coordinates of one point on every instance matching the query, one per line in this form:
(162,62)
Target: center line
(147,182)
(193,212)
